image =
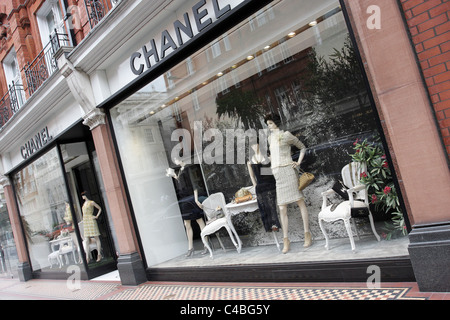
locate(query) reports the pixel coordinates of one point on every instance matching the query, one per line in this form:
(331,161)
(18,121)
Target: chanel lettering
(156,50)
(41,139)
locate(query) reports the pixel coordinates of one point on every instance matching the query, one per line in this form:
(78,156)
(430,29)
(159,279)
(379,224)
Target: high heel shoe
(189,253)
(286,245)
(308,240)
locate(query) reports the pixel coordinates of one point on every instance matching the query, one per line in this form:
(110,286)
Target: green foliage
(380,183)
(243,106)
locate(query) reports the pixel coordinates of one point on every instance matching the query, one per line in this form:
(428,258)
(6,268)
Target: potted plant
(381,189)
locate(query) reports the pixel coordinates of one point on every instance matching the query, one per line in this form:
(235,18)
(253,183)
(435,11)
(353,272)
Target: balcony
(44,65)
(11,102)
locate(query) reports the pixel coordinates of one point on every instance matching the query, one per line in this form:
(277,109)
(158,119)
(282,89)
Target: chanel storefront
(214,106)
(177,135)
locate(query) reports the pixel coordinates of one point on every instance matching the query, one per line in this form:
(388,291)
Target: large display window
(8,252)
(63,214)
(218,141)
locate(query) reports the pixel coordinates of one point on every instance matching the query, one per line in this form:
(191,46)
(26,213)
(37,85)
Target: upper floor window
(49,19)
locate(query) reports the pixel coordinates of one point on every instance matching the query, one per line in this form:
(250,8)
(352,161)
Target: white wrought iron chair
(357,198)
(214,223)
(67,247)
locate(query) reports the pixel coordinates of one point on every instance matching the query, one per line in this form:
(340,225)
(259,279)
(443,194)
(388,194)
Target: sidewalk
(110,288)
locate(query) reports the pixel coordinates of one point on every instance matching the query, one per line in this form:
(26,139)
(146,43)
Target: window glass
(188,135)
(46,215)
(8,253)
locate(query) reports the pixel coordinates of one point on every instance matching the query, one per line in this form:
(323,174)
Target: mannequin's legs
(202,224)
(99,248)
(190,236)
(189,233)
(305,217)
(285,226)
(86,249)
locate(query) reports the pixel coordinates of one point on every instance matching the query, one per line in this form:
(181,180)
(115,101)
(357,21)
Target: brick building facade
(429,26)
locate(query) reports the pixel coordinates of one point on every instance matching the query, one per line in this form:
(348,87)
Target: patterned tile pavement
(109,290)
(207,292)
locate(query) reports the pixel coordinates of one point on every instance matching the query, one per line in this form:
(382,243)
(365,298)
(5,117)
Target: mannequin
(196,215)
(265,188)
(90,225)
(286,176)
(68,214)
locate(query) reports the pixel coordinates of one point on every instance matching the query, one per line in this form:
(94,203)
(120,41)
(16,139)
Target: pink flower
(374,199)
(383,156)
(385,164)
(387,190)
(363,175)
(356,142)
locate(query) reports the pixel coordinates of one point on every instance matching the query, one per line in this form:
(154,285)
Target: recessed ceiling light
(291,34)
(250,57)
(313,23)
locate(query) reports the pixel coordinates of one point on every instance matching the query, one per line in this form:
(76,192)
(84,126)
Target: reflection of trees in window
(335,97)
(336,79)
(244,106)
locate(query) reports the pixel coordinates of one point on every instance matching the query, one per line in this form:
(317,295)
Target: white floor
(366,248)
(112,276)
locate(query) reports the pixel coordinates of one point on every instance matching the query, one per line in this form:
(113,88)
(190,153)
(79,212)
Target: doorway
(82,177)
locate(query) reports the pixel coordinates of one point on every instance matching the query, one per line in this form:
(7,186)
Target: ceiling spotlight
(291,34)
(266,47)
(220,74)
(313,23)
(250,57)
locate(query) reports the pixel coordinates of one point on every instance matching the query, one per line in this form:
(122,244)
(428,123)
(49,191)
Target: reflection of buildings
(272,71)
(42,189)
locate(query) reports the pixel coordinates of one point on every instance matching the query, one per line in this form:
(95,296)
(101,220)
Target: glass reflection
(189,133)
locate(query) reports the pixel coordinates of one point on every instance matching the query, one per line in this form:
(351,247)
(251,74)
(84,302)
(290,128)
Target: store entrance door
(84,191)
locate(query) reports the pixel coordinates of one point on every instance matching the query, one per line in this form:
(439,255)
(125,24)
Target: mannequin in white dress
(286,176)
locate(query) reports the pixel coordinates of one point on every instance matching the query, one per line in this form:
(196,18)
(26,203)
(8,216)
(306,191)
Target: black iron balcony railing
(11,102)
(96,11)
(44,65)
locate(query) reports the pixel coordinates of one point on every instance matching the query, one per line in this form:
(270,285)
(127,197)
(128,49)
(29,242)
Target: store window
(293,60)
(46,215)
(63,215)
(8,252)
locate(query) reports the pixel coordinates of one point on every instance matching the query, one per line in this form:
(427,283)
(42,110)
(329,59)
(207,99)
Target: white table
(238,208)
(64,246)
(247,206)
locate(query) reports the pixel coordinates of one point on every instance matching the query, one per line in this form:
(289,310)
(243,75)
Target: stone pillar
(413,137)
(24,267)
(130,264)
